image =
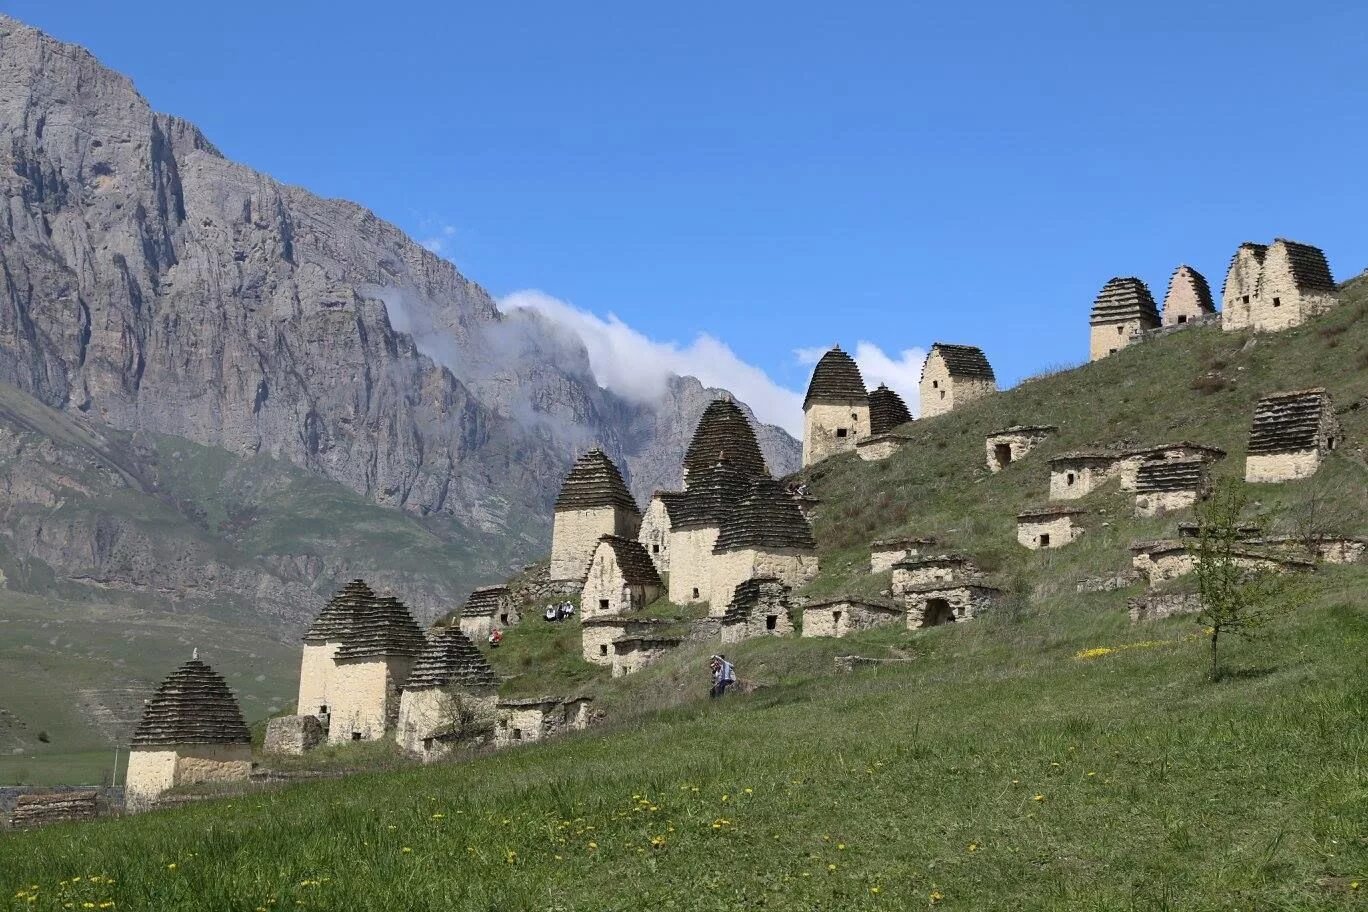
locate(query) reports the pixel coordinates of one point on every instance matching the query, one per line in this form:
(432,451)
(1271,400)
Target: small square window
(427,744)
(603,649)
(517,734)
(1244,300)
(695,592)
(1182,318)
(356,736)
(772,622)
(1111,351)
(655,549)
(322,710)
(1069,479)
(1045,539)
(503,619)
(841,432)
(1277,302)
(603,604)
(935,384)
(1120,330)
(942,394)
(835,617)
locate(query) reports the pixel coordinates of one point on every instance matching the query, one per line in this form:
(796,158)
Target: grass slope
(1000,767)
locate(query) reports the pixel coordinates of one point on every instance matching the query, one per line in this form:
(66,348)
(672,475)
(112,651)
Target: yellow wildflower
(936,896)
(1038,798)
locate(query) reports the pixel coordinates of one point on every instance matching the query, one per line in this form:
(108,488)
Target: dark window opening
(1002,454)
(655,549)
(695,592)
(841,432)
(855,416)
(1120,330)
(935,384)
(322,710)
(1330,443)
(1069,479)
(1045,539)
(835,617)
(942,394)
(937,612)
(1277,302)
(603,603)
(1111,351)
(503,619)
(356,736)
(771,622)
(517,734)
(1245,299)
(1182,318)
(603,650)
(427,744)
(960,611)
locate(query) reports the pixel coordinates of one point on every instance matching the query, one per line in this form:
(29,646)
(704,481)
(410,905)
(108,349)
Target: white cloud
(902,373)
(635,366)
(439,240)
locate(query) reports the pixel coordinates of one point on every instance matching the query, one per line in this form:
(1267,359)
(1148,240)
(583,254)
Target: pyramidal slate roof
(1287,422)
(381,627)
(671,501)
(767,517)
(335,618)
(962,361)
(1258,251)
(486,601)
(724,433)
(886,410)
(192,706)
(594,482)
(711,494)
(1125,298)
(1189,279)
(449,658)
(632,559)
(836,378)
(752,593)
(1310,270)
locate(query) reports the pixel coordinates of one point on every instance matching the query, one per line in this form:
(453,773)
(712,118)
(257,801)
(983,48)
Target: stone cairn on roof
(593,482)
(766,518)
(485,601)
(723,432)
(836,378)
(382,627)
(450,659)
(1164,475)
(1288,422)
(633,562)
(753,593)
(886,410)
(967,361)
(711,494)
(1125,298)
(192,706)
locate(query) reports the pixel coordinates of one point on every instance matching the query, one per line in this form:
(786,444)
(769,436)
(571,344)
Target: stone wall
(1006,447)
(1157,503)
(477,628)
(315,678)
(842,618)
(1158,605)
(873,449)
(881,560)
(832,428)
(1274,467)
(432,718)
(655,534)
(576,533)
(153,770)
(526,721)
(768,616)
(963,603)
(691,561)
(63,806)
(941,392)
(1047,531)
(1241,287)
(596,642)
(1071,479)
(366,697)
(607,593)
(932,571)
(1109,338)
(731,568)
(633,656)
(293,735)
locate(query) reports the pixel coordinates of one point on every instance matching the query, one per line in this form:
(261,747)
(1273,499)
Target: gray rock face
(150,284)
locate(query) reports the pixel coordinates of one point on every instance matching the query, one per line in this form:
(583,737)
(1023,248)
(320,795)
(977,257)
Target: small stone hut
(1275,287)
(940,568)
(636,651)
(39,809)
(191,731)
(840,617)
(1188,299)
(451,687)
(488,607)
(886,412)
(884,553)
(621,579)
(1048,527)
(696,520)
(952,376)
(1011,444)
(597,634)
(593,502)
(371,667)
(934,604)
(1168,485)
(835,409)
(1077,474)
(656,524)
(1290,435)
(764,534)
(1168,559)
(528,719)
(1128,463)
(723,433)
(1123,308)
(759,607)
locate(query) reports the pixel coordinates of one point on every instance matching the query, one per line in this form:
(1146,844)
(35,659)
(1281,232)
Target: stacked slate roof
(485,601)
(1196,282)
(37,810)
(332,622)
(1048,512)
(886,410)
(382,627)
(712,492)
(192,706)
(1160,475)
(449,658)
(1125,298)
(724,433)
(1288,422)
(1259,252)
(836,378)
(671,500)
(966,361)
(753,593)
(634,563)
(594,482)
(1310,270)
(767,518)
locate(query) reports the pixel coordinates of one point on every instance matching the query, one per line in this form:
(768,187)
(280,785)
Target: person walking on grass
(723,675)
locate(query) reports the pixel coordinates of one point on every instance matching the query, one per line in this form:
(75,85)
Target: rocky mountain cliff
(150,284)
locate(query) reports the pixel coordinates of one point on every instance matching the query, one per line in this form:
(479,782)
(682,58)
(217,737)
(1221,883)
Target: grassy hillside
(1049,756)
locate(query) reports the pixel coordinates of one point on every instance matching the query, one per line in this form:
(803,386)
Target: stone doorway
(938,612)
(1002,455)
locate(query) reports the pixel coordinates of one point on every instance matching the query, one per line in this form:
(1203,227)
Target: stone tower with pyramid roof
(593,502)
(451,686)
(835,409)
(1123,308)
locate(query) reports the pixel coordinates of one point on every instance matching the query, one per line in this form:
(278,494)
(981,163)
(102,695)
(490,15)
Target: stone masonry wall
(150,772)
(691,561)
(596,642)
(1109,338)
(1275,467)
(605,584)
(732,568)
(1087,475)
(432,712)
(631,658)
(315,678)
(293,735)
(655,535)
(366,697)
(872,449)
(940,392)
(1018,445)
(1060,529)
(822,424)
(838,619)
(1157,503)
(575,535)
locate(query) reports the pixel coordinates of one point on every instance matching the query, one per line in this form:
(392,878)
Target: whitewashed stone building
(887,412)
(765,534)
(884,553)
(524,720)
(1169,485)
(450,691)
(593,502)
(488,607)
(1188,299)
(371,666)
(621,579)
(953,376)
(1011,444)
(696,522)
(1292,432)
(1277,286)
(835,409)
(656,524)
(840,617)
(759,607)
(1048,527)
(1123,308)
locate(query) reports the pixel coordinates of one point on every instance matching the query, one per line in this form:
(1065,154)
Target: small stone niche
(1012,444)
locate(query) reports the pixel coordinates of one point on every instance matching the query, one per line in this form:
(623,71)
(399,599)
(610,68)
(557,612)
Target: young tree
(1237,599)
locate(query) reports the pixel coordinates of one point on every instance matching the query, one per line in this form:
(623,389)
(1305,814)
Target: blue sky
(786,176)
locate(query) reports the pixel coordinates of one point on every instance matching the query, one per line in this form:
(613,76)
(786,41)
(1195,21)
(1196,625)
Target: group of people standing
(564,611)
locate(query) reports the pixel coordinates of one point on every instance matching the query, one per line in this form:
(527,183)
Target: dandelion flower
(973,847)
(1038,798)
(876,889)
(840,846)
(936,896)
(407,850)
(750,791)
(171,866)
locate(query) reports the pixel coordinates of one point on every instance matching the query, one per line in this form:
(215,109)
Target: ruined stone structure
(598,634)
(934,604)
(1269,288)
(1168,485)
(450,690)
(1155,606)
(836,408)
(293,735)
(39,809)
(940,568)
(530,719)
(764,534)
(1011,444)
(1077,474)
(486,608)
(656,524)
(881,446)
(840,617)
(759,607)
(723,434)
(1188,299)
(1290,435)
(953,376)
(633,653)
(621,579)
(593,502)
(884,553)
(191,731)
(1168,559)
(696,521)
(1124,307)
(1048,527)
